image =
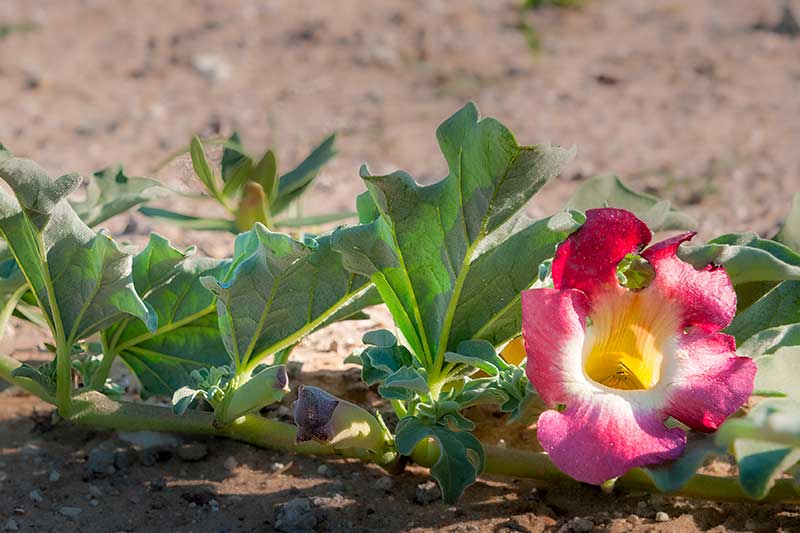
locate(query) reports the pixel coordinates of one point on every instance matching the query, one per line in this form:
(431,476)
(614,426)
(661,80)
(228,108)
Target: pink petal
(709,382)
(707,295)
(588,259)
(553,323)
(602,436)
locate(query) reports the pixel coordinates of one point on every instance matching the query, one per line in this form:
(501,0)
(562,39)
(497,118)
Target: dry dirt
(684,99)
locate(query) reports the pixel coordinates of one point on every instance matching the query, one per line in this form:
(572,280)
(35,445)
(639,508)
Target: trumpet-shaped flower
(615,363)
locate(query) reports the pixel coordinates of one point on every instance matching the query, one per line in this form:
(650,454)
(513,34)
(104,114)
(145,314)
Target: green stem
(94,409)
(104,369)
(7,367)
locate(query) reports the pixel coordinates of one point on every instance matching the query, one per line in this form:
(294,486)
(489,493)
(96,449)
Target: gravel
(579,525)
(36,496)
(661,516)
(385,484)
(100,462)
(71,512)
(296,516)
(54,476)
(427,492)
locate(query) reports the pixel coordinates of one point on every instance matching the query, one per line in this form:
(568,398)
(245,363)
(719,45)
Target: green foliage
(250,189)
(609,191)
(112,192)
(450,261)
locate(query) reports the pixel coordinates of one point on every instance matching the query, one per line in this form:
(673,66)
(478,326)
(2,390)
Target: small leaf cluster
(250,188)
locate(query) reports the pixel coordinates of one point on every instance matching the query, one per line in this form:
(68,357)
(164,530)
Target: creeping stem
(94,409)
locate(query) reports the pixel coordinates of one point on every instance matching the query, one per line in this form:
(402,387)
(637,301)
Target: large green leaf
(82,280)
(292,184)
(419,251)
(280,289)
(609,191)
(188,336)
(112,192)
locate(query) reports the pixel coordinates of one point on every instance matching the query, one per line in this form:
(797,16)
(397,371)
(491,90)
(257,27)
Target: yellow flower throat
(625,340)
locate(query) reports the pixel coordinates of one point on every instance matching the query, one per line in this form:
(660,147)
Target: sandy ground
(681,98)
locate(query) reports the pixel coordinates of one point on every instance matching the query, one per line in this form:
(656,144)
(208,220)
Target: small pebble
(230,463)
(71,512)
(323,470)
(580,525)
(276,467)
(19,510)
(94,503)
(385,484)
(750,524)
(214,505)
(427,492)
(632,518)
(36,496)
(94,491)
(54,476)
(11,525)
(296,516)
(661,516)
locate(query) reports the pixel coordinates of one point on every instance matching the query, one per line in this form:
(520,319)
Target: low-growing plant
(251,190)
(635,362)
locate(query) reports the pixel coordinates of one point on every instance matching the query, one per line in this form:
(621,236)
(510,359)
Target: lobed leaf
(461,456)
(81,280)
(279,290)
(419,251)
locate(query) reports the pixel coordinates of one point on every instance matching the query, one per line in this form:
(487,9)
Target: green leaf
(403,384)
(188,221)
(760,463)
(280,290)
(506,264)
(233,156)
(12,288)
(478,354)
(187,337)
(382,357)
(265,173)
(201,167)
(746,257)
(609,191)
(112,192)
(789,234)
(183,398)
(81,280)
(672,476)
(461,456)
(154,265)
(766,443)
(292,184)
(779,307)
(419,251)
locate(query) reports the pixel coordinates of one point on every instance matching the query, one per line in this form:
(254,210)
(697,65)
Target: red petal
(553,324)
(707,295)
(588,259)
(602,436)
(709,382)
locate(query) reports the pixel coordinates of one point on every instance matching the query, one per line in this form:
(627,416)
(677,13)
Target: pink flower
(623,361)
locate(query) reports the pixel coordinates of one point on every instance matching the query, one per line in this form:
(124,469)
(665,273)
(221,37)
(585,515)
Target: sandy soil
(681,98)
